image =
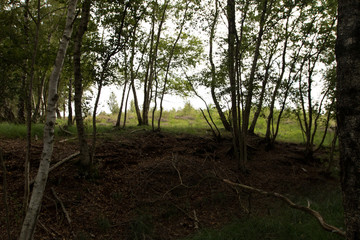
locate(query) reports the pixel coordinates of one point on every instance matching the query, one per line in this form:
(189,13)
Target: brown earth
(154,185)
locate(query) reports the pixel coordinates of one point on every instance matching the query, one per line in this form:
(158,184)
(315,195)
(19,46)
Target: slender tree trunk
(29,110)
(101,83)
(39,98)
(93,145)
(28,227)
(246,115)
(84,149)
(232,77)
(124,91)
(169,63)
(132,77)
(23,94)
(262,94)
(21,103)
(155,100)
(348,111)
(126,104)
(153,55)
(121,105)
(70,117)
(149,67)
(223,119)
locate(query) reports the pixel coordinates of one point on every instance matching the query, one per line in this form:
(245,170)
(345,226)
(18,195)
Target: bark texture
(348,111)
(85,160)
(232,78)
(28,227)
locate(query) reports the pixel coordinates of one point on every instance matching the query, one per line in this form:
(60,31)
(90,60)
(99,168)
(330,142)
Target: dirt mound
(153,185)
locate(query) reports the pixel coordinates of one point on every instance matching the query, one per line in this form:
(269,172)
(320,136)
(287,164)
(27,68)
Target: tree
(84,149)
(113,104)
(29,223)
(236,131)
(348,111)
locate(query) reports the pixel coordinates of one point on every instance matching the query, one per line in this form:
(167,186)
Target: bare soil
(155,185)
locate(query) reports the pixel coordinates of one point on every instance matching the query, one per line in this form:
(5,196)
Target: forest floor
(156,185)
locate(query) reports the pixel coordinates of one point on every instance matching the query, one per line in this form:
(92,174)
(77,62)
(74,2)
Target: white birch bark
(28,227)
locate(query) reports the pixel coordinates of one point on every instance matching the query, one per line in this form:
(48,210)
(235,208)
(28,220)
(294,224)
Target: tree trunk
(126,104)
(246,115)
(29,108)
(70,117)
(39,98)
(223,119)
(153,58)
(348,111)
(28,227)
(132,77)
(262,94)
(21,103)
(85,160)
(124,91)
(169,63)
(232,77)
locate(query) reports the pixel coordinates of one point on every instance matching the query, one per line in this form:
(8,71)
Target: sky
(170,101)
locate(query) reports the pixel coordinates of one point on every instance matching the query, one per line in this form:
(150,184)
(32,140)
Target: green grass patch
(11,130)
(187,120)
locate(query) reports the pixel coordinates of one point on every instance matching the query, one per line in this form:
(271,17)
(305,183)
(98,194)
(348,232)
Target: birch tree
(32,214)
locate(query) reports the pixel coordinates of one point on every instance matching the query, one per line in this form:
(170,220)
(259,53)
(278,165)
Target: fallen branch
(65,131)
(67,139)
(59,163)
(138,130)
(63,161)
(307,209)
(62,206)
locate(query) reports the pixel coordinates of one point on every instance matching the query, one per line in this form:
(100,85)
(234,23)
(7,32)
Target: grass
(284,224)
(187,120)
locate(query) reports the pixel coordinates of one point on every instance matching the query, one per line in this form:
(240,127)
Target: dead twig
(62,206)
(307,209)
(179,175)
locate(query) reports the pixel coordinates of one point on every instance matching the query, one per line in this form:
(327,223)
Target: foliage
(113,104)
